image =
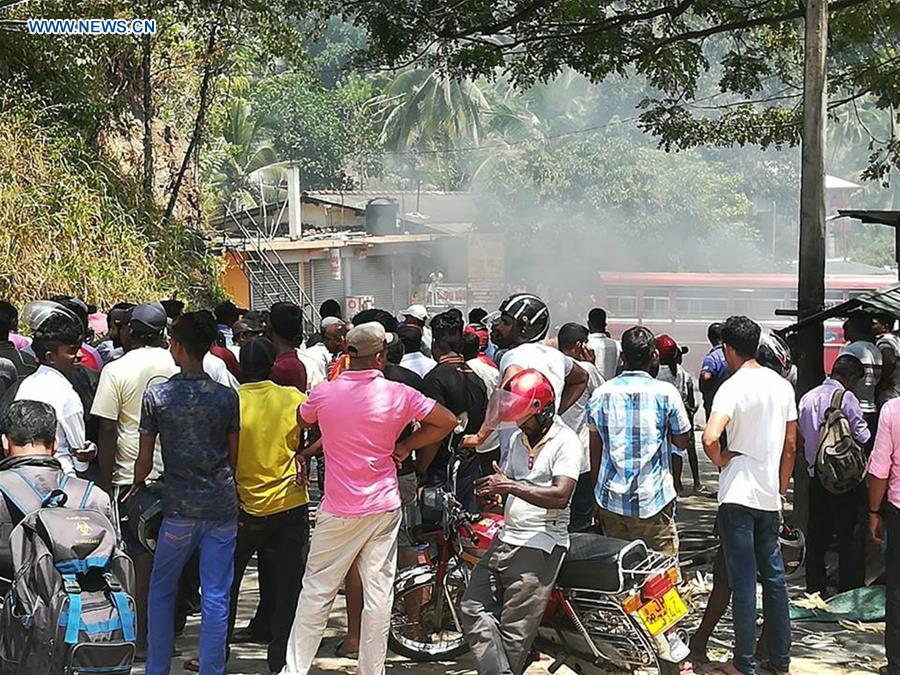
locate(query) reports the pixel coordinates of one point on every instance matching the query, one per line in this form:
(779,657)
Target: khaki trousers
(658,532)
(336,543)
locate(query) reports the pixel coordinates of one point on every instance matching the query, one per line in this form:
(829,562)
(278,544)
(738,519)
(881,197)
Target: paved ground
(819,649)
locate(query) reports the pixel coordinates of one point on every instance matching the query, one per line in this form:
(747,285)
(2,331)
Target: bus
(684,304)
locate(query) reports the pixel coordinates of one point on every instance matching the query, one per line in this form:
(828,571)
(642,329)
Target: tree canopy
(721,72)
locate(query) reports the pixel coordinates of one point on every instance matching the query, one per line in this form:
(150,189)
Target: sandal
(192,665)
(344,655)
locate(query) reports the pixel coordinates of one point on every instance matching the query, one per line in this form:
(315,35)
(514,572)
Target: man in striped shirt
(632,418)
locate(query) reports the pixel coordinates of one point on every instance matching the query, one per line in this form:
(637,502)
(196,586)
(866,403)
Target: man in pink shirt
(884,518)
(361,415)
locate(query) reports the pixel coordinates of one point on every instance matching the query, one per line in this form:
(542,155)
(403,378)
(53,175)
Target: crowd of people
(221,412)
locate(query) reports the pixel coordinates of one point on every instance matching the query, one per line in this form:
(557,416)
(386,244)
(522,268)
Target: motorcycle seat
(598,563)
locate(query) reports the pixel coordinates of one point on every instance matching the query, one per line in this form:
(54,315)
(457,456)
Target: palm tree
(427,112)
(426,109)
(246,151)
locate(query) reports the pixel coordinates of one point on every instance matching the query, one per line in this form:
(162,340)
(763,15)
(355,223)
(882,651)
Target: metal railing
(269,272)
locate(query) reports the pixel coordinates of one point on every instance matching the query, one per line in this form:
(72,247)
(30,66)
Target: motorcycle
(616,605)
(425,621)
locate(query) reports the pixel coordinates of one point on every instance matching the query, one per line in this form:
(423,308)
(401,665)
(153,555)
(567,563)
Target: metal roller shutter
(271,283)
(372,276)
(319,285)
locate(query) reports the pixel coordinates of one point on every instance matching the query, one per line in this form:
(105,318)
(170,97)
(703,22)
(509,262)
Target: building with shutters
(360,248)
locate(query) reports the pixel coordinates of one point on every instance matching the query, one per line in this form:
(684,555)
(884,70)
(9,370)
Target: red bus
(684,304)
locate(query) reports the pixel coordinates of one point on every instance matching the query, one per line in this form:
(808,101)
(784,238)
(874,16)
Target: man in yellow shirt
(273,504)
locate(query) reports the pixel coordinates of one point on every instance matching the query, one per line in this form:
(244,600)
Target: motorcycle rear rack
(613,633)
(654,563)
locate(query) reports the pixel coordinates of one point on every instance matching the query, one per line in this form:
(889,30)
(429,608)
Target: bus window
(701,303)
(621,302)
(656,303)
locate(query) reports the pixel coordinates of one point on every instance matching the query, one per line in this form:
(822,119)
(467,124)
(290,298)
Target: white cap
(417,312)
(330,321)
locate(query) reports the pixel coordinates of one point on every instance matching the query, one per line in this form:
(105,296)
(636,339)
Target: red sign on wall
(335,257)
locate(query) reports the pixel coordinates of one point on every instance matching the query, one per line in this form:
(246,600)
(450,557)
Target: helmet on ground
(773,352)
(667,347)
(527,393)
(531,315)
(793,550)
(144,511)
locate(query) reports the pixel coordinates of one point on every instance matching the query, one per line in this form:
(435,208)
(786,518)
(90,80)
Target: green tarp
(861,604)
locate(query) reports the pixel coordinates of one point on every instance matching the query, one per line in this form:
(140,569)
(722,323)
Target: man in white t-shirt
(481,365)
(518,327)
(509,588)
(117,405)
(411,337)
(858,332)
(56,343)
(756,406)
(607,352)
(572,341)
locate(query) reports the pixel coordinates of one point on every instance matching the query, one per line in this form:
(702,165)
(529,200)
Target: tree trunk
(205,86)
(811,281)
(147,113)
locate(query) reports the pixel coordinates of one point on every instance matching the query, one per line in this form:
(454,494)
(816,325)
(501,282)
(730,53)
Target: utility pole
(811,281)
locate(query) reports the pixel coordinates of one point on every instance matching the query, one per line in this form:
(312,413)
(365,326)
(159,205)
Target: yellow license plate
(662,614)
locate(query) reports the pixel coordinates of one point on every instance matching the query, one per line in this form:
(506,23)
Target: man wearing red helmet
(521,565)
(671,371)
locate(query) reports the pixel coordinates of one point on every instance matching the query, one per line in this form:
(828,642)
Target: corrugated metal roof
(886,301)
(891,218)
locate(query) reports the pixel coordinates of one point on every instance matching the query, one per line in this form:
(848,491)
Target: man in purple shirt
(829,513)
(714,370)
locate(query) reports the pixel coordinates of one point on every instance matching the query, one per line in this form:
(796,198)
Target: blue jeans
(750,544)
(178,539)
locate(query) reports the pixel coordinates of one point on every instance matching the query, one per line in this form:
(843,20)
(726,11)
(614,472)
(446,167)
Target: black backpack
(69,609)
(840,460)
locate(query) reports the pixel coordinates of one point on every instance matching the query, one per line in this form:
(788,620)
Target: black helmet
(793,550)
(144,511)
(531,315)
(773,352)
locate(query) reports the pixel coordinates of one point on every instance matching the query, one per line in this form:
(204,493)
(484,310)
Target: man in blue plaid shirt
(632,419)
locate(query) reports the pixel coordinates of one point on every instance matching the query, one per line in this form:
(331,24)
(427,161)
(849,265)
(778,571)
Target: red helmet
(479,331)
(527,393)
(667,347)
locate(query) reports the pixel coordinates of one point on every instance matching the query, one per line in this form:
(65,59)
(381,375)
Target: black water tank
(381,216)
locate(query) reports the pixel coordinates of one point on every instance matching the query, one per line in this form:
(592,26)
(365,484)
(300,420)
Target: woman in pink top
(884,517)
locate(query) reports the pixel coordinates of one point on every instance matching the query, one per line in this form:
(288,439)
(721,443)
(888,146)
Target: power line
(498,146)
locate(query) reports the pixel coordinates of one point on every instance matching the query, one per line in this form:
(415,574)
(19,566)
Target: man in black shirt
(457,387)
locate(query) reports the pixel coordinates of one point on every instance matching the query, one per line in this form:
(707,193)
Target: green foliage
(607,200)
(725,72)
(71,224)
(323,131)
(246,150)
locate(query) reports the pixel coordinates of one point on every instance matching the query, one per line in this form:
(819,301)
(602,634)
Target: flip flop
(342,655)
(192,665)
